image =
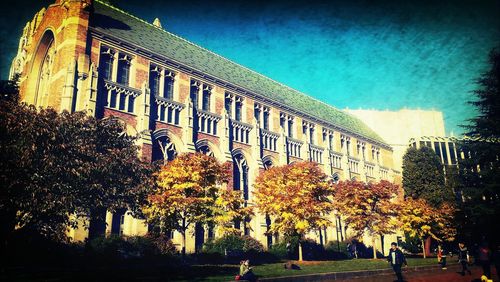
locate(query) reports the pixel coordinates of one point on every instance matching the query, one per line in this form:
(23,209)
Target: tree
(367,207)
(187,192)
(480,170)
(419,219)
(229,207)
(54,165)
(423,176)
(295,197)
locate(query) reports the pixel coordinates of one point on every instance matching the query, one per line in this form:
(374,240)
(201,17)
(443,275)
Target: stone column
(187,124)
(69,87)
(90,101)
(143,115)
(224,136)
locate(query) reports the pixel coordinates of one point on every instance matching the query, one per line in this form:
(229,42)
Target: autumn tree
(189,191)
(420,220)
(295,197)
(54,165)
(367,208)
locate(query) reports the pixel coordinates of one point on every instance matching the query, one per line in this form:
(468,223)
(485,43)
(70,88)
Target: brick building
(84,55)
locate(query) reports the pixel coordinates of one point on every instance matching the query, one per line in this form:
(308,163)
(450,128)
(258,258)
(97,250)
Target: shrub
(332,248)
(163,244)
(233,244)
(112,246)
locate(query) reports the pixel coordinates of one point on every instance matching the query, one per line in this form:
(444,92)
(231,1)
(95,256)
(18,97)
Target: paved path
(435,275)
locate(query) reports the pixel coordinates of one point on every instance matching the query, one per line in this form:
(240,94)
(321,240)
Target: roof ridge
(254,72)
(213,53)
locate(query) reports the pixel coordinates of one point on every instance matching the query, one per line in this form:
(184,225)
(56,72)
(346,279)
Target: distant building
(402,128)
(445,148)
(84,55)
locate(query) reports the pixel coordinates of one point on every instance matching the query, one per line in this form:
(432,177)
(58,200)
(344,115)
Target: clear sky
(368,54)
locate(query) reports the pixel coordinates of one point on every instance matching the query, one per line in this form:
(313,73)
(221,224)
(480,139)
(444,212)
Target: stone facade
(68,60)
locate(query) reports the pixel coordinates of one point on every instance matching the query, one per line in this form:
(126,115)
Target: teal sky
(357,54)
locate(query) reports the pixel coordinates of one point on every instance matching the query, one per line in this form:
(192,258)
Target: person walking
(484,259)
(444,254)
(463,258)
(396,258)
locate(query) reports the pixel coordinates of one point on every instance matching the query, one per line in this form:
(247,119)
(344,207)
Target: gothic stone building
(84,55)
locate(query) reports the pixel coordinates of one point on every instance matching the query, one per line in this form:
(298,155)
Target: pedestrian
(289,250)
(496,259)
(444,254)
(439,254)
(484,259)
(396,258)
(246,272)
(463,258)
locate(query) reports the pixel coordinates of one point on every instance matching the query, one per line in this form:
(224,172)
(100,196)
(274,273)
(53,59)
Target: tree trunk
(423,247)
(184,229)
(374,247)
(428,242)
(184,242)
(300,251)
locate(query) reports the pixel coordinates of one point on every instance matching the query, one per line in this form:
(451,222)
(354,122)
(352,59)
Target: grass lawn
(161,271)
(307,267)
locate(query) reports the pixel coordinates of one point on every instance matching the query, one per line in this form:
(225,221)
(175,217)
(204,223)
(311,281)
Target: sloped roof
(119,24)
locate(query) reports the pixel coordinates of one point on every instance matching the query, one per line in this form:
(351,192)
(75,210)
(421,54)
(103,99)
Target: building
(84,55)
(445,148)
(400,128)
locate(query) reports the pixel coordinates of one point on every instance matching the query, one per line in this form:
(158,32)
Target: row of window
(161,84)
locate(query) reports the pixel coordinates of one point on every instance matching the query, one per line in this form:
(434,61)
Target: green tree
(480,169)
(55,165)
(423,176)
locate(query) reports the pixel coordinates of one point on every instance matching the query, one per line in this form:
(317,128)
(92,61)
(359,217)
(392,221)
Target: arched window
(45,59)
(240,182)
(163,149)
(335,178)
(203,147)
(267,162)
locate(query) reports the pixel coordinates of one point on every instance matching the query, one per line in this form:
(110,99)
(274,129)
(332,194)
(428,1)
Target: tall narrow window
(228,103)
(168,90)
(154,81)
(193,93)
(266,120)
(206,98)
(106,64)
(311,135)
(123,70)
(238,110)
(290,128)
(330,141)
(256,114)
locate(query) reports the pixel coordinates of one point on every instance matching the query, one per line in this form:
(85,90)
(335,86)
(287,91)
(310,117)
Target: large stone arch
(40,72)
(166,146)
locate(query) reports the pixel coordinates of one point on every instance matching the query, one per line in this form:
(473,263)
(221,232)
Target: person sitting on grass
(246,272)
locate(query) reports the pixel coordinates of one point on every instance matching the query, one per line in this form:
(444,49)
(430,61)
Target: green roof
(128,28)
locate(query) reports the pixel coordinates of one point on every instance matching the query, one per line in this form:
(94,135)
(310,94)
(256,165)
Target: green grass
(277,269)
(158,270)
